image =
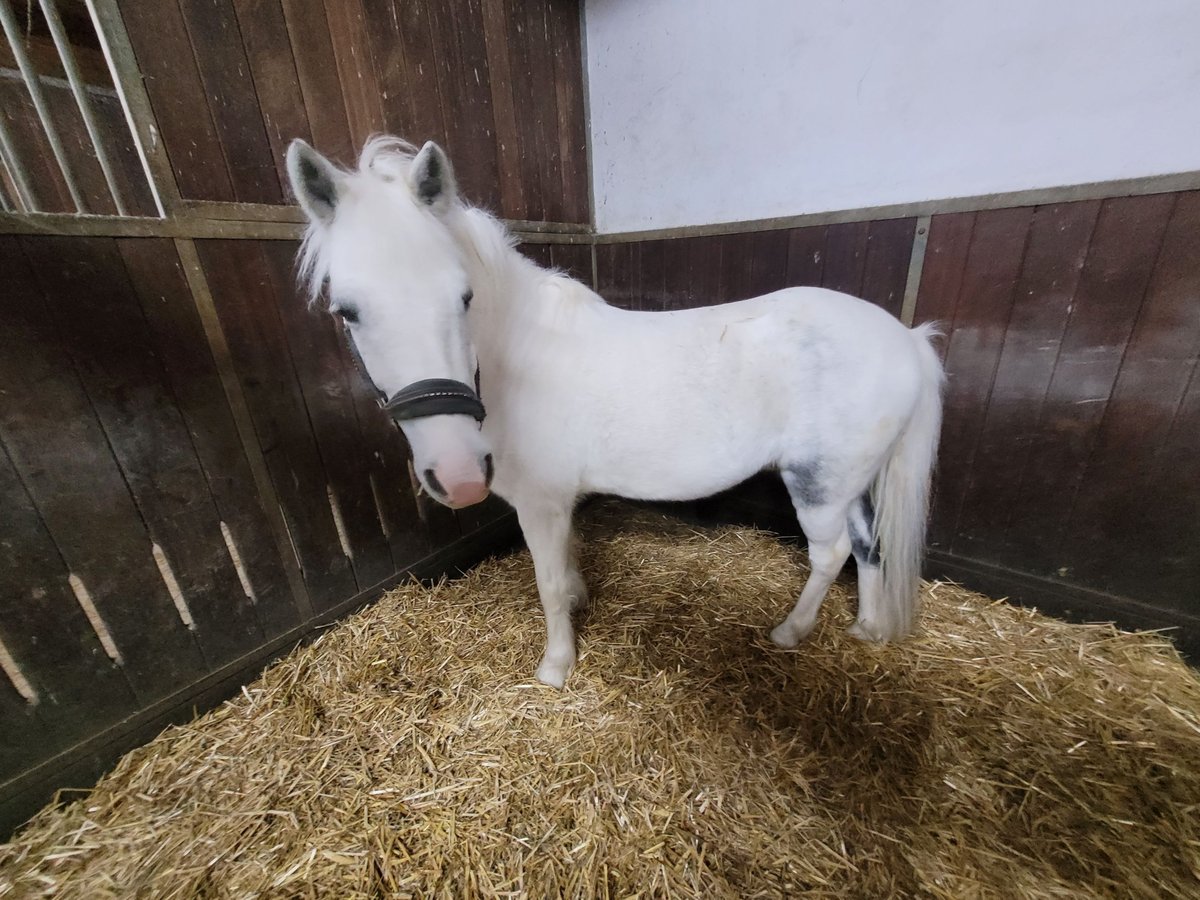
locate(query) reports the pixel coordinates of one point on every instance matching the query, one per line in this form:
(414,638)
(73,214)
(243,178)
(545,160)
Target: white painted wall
(706,111)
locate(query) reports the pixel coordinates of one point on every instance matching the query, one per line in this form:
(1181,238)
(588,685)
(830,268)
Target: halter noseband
(435,397)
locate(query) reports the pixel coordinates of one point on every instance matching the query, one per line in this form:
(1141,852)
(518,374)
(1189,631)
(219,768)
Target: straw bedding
(408,752)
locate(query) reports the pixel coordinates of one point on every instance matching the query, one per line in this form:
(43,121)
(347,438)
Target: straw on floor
(408,752)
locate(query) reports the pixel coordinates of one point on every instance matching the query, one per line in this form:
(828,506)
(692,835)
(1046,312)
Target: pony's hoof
(553,673)
(865,631)
(786,636)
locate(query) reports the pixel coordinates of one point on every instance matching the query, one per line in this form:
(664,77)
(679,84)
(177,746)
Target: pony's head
(377,237)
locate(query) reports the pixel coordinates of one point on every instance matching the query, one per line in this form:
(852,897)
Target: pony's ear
(432,178)
(314,181)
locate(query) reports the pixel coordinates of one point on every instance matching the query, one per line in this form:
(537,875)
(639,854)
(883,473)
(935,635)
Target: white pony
(582,397)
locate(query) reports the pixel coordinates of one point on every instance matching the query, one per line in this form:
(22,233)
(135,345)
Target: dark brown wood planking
(64,458)
(349,34)
(1134,515)
(845,257)
(157,277)
(566,46)
(164,55)
(510,164)
(106,336)
(240,281)
(885,273)
(974,338)
(79,688)
(313,343)
(805,256)
(316,65)
(1104,308)
(1057,246)
(391,68)
(221,59)
(276,82)
(465,87)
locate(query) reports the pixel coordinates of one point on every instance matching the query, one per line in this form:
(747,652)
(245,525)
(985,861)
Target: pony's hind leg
(547,530)
(861,524)
(824,525)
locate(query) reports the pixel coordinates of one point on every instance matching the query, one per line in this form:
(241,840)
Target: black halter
(435,397)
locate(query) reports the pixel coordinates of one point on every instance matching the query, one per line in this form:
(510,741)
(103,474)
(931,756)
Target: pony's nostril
(489,469)
(433,483)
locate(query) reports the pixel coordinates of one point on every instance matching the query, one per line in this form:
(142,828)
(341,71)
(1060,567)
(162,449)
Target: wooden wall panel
(498,83)
(1071,345)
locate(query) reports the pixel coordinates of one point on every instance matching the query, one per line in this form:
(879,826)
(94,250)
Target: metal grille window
(66,141)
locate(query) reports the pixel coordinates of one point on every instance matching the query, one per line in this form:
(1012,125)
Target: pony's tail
(901,498)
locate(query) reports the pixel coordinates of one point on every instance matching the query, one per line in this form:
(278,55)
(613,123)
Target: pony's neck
(504,283)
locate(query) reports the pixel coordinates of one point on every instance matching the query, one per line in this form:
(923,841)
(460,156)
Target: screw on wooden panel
(338,522)
(383,523)
(16,676)
(168,577)
(84,599)
(236,557)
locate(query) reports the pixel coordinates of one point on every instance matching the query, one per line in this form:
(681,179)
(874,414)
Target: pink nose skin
(466,493)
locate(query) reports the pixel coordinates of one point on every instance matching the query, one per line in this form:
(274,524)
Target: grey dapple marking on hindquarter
(803,481)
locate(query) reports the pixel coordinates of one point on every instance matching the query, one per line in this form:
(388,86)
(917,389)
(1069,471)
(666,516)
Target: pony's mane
(384,158)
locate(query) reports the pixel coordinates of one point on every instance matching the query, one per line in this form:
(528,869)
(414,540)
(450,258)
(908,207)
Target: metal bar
(118,53)
(1095,190)
(219,347)
(916,263)
(13,32)
(20,178)
(79,89)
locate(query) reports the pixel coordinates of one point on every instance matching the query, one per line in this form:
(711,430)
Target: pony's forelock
(384,158)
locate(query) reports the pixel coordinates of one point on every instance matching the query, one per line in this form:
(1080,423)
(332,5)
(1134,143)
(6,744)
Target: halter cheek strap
(435,397)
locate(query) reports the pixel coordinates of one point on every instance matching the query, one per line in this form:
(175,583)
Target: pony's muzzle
(459,485)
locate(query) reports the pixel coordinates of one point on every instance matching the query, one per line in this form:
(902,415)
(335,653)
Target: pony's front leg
(547,531)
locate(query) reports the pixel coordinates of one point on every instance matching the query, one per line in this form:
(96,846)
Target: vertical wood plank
(528,116)
(885,273)
(676,273)
(1131,530)
(806,256)
(1124,247)
(510,163)
(465,87)
(421,82)
(60,450)
(737,267)
(391,68)
(349,34)
(241,287)
(575,260)
(945,266)
(537,42)
(324,382)
(316,65)
(769,262)
(164,53)
(975,339)
(157,277)
(565,46)
(78,686)
(107,339)
(221,60)
(273,70)
(705,264)
(653,275)
(1057,246)
(845,257)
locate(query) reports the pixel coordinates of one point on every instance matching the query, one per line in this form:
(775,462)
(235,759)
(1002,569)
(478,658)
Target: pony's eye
(348,314)
(467,298)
